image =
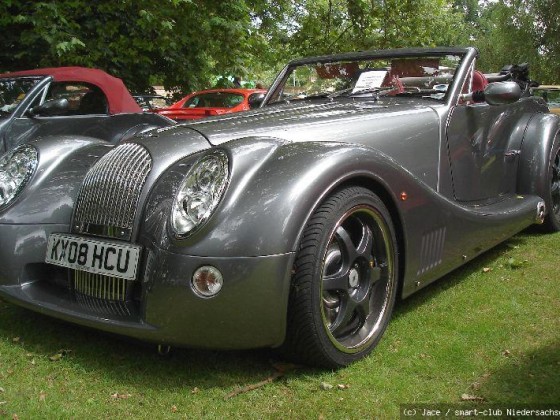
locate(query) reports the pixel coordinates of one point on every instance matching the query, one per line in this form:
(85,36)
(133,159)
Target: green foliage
(181,43)
(515,31)
(188,44)
(344,25)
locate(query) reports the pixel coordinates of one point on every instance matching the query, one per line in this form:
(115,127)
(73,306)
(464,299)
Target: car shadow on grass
(132,362)
(532,378)
(138,364)
(459,275)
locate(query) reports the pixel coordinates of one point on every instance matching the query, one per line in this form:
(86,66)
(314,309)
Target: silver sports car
(362,178)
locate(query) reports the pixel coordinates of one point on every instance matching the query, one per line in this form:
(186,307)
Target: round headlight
(200,192)
(16,169)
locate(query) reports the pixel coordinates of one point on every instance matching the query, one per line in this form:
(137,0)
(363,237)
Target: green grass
(490,334)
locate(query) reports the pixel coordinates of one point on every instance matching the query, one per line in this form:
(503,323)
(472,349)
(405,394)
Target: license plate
(95,256)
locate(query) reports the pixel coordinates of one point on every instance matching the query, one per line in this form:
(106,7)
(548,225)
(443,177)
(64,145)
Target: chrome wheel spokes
(355,278)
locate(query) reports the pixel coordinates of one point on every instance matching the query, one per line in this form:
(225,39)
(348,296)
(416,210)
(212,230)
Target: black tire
(345,281)
(552,191)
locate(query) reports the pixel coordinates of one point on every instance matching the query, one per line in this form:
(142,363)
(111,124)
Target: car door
(480,139)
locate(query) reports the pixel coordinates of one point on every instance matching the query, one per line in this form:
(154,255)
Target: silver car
(361,179)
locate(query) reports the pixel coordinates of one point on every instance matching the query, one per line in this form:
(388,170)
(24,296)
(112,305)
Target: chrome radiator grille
(100,286)
(107,202)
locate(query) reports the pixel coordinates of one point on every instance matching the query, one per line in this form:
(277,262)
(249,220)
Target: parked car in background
(206,103)
(551,94)
(151,102)
(68,101)
(362,178)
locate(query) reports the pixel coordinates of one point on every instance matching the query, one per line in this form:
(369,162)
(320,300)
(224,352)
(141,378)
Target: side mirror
(501,93)
(496,93)
(49,108)
(255,101)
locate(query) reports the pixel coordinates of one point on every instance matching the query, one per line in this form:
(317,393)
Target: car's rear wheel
(552,198)
(345,280)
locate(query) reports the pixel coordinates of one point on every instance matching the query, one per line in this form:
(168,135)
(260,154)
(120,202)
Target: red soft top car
(69,101)
(118,97)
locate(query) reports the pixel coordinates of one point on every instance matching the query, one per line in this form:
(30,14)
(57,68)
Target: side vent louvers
(431,251)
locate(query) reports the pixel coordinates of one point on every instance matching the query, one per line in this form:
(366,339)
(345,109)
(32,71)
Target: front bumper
(249,311)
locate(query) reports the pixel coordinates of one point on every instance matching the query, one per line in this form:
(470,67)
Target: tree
(188,44)
(181,43)
(341,25)
(515,31)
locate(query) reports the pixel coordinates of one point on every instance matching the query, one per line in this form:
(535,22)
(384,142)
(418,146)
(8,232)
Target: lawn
(486,334)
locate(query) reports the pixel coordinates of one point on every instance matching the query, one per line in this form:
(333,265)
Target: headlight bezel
(202,185)
(30,154)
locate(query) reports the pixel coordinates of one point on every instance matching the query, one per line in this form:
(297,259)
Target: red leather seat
(479,81)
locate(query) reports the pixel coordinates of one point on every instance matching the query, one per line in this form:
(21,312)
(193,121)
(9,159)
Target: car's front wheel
(345,280)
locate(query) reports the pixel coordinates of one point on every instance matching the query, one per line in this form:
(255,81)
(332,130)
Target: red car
(210,102)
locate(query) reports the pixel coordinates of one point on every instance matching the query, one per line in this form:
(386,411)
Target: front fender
(50,195)
(273,190)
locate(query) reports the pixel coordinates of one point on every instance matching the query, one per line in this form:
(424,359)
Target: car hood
(332,120)
(392,126)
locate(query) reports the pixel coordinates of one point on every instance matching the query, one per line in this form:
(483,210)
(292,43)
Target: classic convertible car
(68,101)
(206,103)
(363,178)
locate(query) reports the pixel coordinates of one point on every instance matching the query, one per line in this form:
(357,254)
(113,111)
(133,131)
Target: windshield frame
(465,55)
(9,109)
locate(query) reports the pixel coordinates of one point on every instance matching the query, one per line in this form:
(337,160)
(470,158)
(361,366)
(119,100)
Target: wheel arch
(275,187)
(380,189)
(539,138)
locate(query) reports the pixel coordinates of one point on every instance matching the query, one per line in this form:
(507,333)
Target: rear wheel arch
(536,147)
(536,162)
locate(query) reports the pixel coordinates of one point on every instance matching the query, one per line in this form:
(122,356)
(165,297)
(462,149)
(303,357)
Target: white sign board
(370,79)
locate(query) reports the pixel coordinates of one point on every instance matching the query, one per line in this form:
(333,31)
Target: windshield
(13,91)
(424,76)
(214,100)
